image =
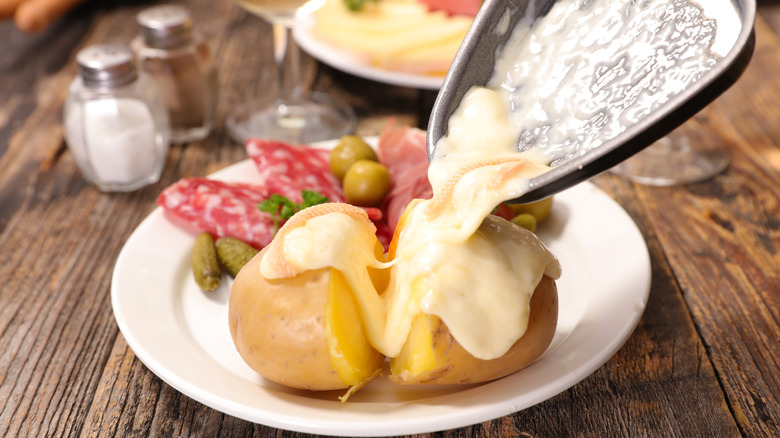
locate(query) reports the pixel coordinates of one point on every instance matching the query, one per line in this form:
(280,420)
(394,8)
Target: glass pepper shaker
(171,51)
(115,122)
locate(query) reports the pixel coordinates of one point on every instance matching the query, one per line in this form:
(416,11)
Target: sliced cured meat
(225,209)
(221,208)
(374,214)
(287,169)
(504,211)
(402,150)
(230,209)
(384,233)
(455,7)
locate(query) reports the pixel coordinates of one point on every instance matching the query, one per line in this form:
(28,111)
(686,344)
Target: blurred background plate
(348,63)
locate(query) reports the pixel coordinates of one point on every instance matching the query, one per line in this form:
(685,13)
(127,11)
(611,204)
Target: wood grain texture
(702,362)
(722,239)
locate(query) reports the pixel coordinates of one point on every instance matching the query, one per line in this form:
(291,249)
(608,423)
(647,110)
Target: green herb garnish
(355,5)
(282,208)
(310,197)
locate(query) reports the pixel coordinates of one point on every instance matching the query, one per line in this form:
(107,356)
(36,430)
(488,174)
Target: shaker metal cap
(106,65)
(166,26)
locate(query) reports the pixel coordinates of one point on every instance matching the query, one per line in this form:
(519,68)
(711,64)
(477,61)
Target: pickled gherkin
(205,266)
(234,254)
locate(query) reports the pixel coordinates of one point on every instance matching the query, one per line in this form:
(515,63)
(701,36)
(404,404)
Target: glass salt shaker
(182,63)
(115,122)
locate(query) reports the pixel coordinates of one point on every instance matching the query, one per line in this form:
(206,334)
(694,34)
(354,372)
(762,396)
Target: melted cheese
(452,262)
(337,241)
(476,274)
(481,288)
(584,72)
(588,70)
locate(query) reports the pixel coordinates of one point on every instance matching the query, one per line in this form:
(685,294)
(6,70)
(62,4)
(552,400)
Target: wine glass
(675,159)
(296,116)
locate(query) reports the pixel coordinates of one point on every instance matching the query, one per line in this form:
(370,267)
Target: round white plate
(347,62)
(181,333)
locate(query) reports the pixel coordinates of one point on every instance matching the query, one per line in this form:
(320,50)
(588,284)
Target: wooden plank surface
(702,362)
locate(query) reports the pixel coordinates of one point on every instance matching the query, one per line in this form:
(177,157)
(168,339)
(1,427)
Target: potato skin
(456,366)
(279,329)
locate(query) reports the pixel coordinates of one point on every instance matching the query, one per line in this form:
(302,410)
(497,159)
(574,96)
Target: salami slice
(287,169)
(230,209)
(220,208)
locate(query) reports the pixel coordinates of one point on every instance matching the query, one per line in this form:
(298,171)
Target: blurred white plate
(181,334)
(346,62)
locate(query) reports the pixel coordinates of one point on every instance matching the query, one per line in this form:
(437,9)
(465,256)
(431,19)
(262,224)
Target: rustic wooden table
(704,360)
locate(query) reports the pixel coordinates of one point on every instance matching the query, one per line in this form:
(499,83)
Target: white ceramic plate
(182,335)
(346,62)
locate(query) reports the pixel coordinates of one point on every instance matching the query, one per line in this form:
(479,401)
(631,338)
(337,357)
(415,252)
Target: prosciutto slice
(402,150)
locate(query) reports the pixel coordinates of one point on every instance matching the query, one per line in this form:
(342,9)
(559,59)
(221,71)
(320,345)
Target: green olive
(366,183)
(540,209)
(525,220)
(350,149)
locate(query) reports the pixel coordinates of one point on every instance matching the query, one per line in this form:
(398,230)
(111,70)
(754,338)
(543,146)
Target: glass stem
(288,63)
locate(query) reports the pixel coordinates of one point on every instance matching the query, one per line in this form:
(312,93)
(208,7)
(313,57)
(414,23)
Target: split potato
(307,331)
(432,356)
(303,332)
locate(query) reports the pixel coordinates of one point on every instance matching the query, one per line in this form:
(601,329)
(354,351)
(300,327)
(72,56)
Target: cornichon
(234,254)
(205,266)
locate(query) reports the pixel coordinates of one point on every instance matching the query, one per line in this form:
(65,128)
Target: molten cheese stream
(475,275)
(582,73)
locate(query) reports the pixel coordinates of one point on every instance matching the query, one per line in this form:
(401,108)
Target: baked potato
(304,330)
(311,329)
(432,356)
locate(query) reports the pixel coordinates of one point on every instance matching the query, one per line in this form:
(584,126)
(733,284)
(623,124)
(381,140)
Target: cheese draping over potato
(446,260)
(461,296)
(345,242)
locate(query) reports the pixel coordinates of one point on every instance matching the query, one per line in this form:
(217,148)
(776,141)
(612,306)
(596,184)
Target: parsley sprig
(355,5)
(282,208)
